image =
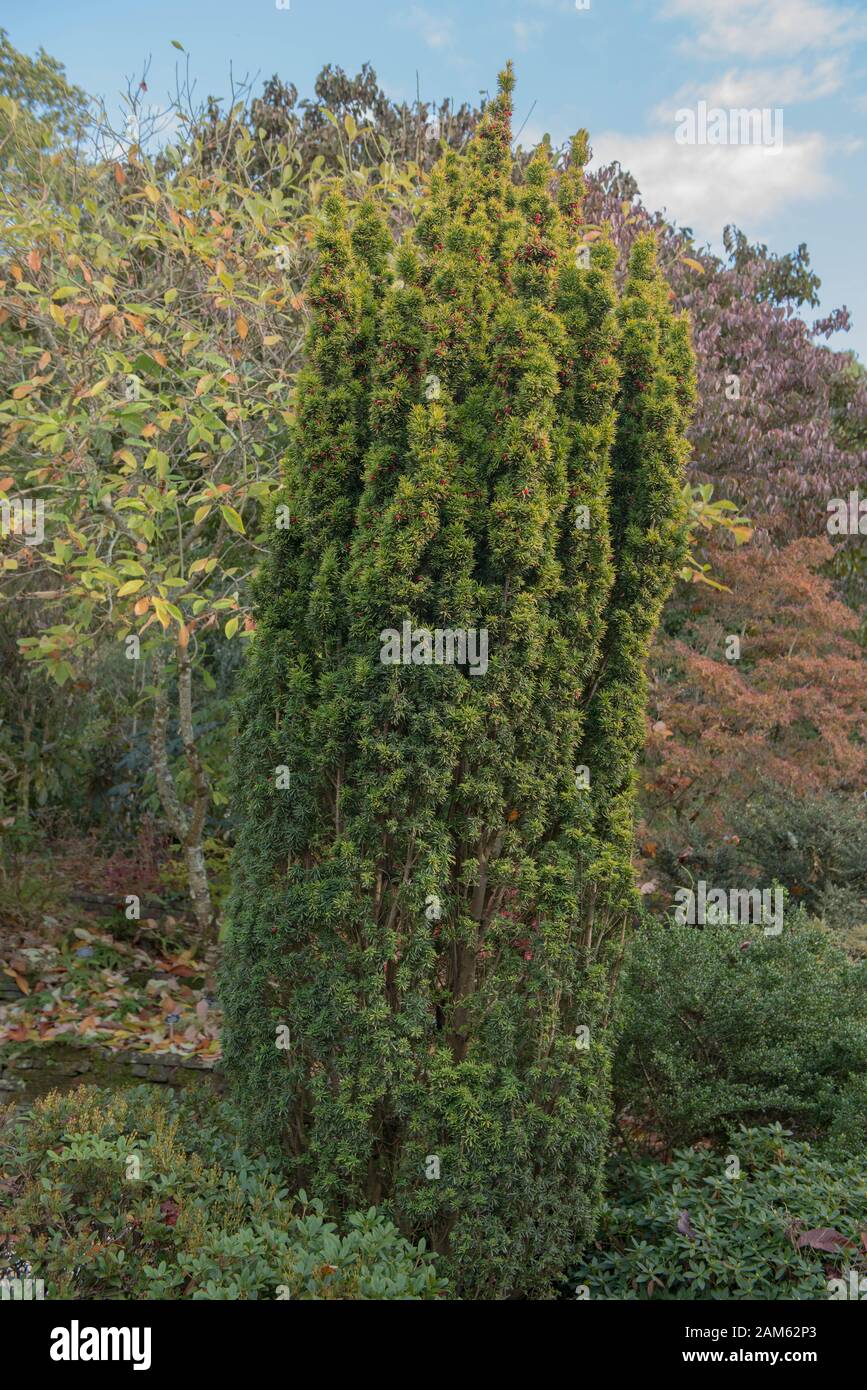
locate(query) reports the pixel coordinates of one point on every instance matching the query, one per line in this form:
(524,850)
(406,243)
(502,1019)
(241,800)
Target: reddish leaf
(823,1238)
(170,1211)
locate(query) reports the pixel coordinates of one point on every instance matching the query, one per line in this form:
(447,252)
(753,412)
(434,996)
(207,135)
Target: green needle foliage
(430,895)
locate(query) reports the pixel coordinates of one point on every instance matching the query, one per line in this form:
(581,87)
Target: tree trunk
(188,829)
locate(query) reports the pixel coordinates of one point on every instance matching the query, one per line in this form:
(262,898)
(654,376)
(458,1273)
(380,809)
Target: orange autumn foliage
(792,711)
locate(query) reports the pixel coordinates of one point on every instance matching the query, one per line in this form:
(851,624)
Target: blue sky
(620,67)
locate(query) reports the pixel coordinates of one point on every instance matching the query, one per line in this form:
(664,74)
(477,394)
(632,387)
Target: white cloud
(706,186)
(774,28)
(760,87)
(556,6)
(436,30)
(526,30)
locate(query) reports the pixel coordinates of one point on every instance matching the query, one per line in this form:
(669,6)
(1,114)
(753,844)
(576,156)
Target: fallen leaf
(19,979)
(684,1225)
(823,1238)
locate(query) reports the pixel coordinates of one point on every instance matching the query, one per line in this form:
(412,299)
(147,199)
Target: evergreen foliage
(722,1026)
(691,1230)
(432,909)
(147,1194)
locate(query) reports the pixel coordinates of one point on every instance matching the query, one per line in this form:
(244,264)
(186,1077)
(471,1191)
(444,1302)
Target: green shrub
(723,1025)
(810,843)
(814,846)
(427,898)
(146,1194)
(686,1230)
(848,1130)
(843,909)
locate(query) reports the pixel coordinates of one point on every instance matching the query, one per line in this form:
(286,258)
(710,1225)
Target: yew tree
(432,878)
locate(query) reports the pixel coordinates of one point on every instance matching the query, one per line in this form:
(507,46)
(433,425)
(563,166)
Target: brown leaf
(170,1210)
(684,1225)
(18,978)
(823,1238)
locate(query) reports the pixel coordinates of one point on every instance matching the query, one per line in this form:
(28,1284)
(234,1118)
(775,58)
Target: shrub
(426,898)
(685,1230)
(147,1195)
(815,844)
(723,1025)
(848,1131)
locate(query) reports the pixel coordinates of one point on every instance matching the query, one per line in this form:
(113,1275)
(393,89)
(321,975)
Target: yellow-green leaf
(232,518)
(161,609)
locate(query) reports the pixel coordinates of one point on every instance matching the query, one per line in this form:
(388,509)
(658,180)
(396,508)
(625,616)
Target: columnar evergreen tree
(432,878)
